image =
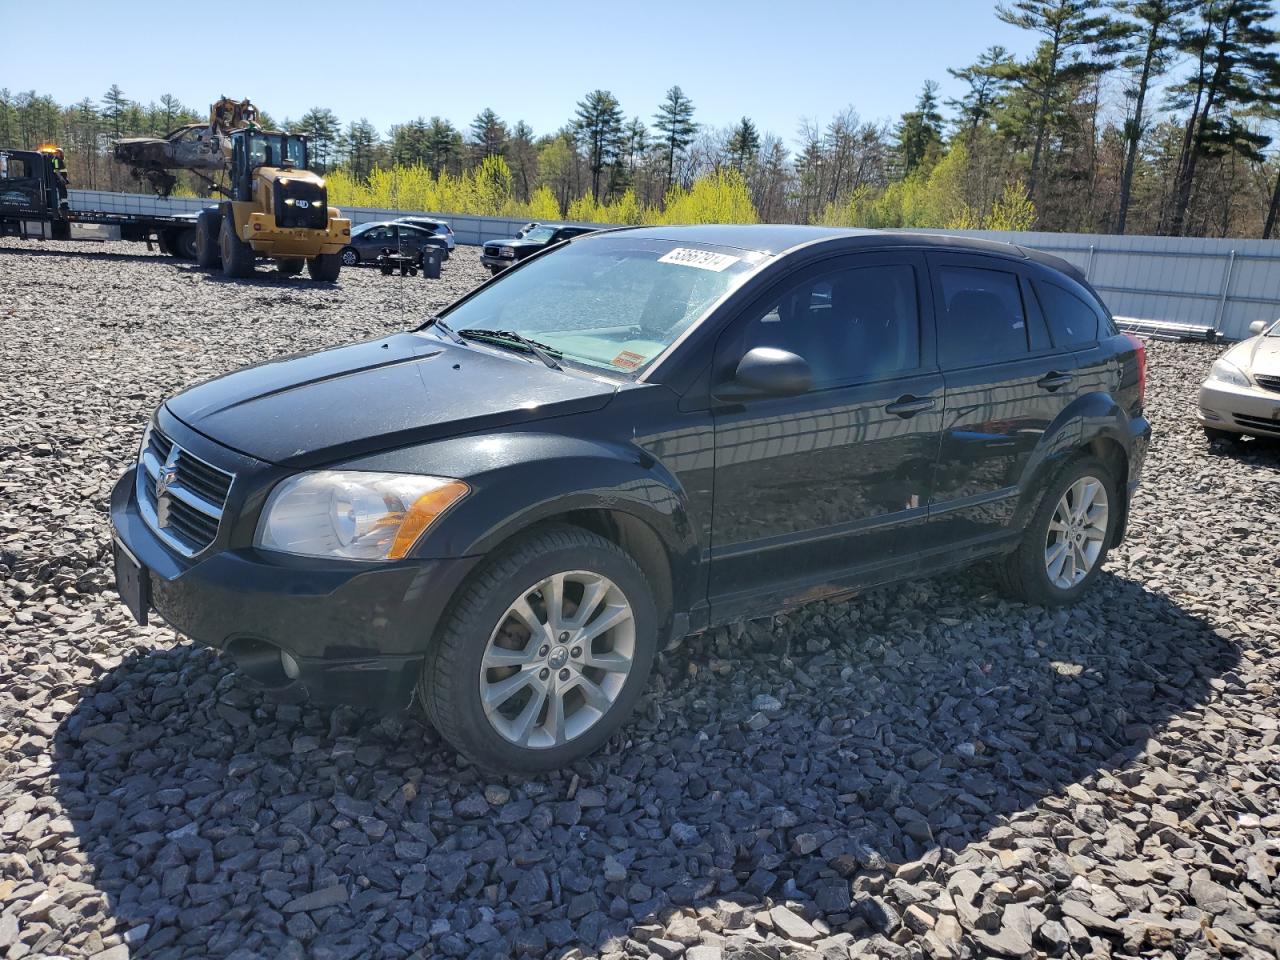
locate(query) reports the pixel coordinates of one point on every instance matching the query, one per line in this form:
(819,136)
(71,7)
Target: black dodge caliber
(637,436)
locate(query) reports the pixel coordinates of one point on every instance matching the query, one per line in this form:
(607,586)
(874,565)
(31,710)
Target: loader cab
(252,149)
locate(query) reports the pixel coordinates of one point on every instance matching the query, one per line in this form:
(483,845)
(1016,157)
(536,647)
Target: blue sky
(775,61)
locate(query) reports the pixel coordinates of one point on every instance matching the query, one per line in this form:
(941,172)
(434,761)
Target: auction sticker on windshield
(702,259)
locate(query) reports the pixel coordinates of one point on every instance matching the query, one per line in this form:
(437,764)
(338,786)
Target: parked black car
(500,254)
(370,239)
(640,435)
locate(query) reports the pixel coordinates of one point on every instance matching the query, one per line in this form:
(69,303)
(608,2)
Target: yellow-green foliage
(487,190)
(718,197)
(933,198)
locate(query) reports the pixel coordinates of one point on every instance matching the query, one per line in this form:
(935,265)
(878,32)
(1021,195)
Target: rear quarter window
(1072,321)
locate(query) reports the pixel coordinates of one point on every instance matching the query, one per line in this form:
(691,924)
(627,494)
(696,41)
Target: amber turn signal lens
(422,514)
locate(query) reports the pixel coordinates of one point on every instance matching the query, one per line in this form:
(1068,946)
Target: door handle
(1053,380)
(908,406)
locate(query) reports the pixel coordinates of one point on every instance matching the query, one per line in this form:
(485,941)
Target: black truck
(32,208)
(497,255)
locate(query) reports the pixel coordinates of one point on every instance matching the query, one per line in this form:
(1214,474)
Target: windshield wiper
(443,327)
(508,337)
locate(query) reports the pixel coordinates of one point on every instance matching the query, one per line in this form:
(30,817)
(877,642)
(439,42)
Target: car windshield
(540,234)
(364,228)
(613,302)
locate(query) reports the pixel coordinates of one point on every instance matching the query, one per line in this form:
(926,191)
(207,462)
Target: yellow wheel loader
(275,208)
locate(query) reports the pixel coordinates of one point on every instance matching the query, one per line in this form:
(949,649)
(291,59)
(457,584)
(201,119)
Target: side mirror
(1257,327)
(768,371)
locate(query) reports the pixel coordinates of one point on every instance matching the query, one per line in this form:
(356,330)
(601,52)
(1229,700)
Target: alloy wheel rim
(558,659)
(1077,532)
(348,259)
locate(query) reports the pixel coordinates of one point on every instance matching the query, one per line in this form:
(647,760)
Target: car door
(1005,385)
(812,488)
(372,242)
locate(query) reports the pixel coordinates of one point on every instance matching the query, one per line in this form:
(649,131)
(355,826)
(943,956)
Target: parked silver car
(1241,395)
(440,228)
(370,239)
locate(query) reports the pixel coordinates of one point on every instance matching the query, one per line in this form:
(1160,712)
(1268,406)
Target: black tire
(1023,574)
(1213,434)
(208,253)
(349,256)
(182,243)
(291,266)
(237,256)
(449,686)
(325,267)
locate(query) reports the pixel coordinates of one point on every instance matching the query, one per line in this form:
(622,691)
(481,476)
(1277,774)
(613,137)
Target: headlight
(1225,372)
(353,515)
(506,251)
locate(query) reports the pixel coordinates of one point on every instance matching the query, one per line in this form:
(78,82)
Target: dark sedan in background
(500,254)
(370,239)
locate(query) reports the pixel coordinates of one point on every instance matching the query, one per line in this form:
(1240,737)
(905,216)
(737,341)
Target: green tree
(115,107)
(744,144)
(674,121)
(444,146)
(321,128)
(919,133)
(1071,29)
(985,79)
(597,125)
(1154,29)
(488,135)
(1234,63)
(359,146)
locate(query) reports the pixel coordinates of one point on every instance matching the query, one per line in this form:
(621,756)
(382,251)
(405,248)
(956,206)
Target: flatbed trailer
(32,208)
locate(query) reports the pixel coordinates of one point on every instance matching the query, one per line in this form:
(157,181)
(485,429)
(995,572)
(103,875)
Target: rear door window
(1072,322)
(981,318)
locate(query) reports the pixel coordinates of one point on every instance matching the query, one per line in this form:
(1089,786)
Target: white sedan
(1242,392)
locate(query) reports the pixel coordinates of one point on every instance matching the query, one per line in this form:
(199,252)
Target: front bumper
(1250,410)
(356,631)
(270,240)
(496,263)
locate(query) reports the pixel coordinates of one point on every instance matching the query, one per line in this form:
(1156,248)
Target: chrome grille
(1268,381)
(187,512)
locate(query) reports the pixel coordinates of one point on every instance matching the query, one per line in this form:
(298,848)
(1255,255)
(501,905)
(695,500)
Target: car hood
(1258,355)
(316,408)
(515,242)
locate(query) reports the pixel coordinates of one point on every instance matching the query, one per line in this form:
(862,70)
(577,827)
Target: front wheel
(544,653)
(208,255)
(350,257)
(237,256)
(1067,539)
(325,267)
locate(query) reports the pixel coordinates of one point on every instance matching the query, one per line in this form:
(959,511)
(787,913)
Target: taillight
(1140,350)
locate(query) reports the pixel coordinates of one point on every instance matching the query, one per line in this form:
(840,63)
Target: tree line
(1127,116)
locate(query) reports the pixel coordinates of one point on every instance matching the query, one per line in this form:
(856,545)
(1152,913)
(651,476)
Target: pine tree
(919,133)
(321,128)
(1234,65)
(115,106)
(1070,29)
(444,146)
(674,120)
(488,135)
(597,125)
(744,143)
(1154,28)
(986,79)
(359,146)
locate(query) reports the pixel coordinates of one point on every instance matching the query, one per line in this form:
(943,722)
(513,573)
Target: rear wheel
(291,266)
(208,254)
(237,256)
(182,243)
(1067,539)
(544,653)
(325,267)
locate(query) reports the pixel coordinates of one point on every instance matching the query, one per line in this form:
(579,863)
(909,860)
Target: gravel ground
(924,771)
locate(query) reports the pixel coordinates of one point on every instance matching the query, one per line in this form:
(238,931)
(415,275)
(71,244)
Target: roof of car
(771,238)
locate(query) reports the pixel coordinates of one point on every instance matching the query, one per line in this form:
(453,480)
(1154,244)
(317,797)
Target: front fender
(519,479)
